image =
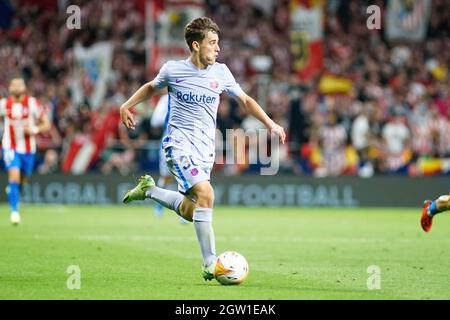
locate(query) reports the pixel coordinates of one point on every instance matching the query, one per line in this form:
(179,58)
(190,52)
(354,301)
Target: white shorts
(186,170)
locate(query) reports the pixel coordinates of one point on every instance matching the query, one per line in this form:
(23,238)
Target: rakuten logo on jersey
(192,97)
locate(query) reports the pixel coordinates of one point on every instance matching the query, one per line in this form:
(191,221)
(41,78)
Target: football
(231,268)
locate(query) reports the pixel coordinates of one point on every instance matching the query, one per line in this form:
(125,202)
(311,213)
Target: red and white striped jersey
(442,128)
(16,116)
(422,137)
(333,137)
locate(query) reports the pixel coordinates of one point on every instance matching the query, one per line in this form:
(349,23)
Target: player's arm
(143,93)
(253,108)
(43,124)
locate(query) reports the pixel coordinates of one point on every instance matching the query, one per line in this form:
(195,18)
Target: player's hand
(127,118)
(279,131)
(30,130)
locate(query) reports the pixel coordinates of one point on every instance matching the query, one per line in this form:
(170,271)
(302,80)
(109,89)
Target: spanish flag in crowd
(330,84)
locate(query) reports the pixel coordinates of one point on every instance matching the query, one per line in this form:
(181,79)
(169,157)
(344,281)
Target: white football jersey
(193,100)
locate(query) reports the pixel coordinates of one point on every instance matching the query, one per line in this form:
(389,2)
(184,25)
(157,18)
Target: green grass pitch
(293,253)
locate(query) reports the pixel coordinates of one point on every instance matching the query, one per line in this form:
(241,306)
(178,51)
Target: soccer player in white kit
(23,118)
(194,87)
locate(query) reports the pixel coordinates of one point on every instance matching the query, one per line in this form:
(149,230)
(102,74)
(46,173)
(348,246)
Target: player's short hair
(16,76)
(196,30)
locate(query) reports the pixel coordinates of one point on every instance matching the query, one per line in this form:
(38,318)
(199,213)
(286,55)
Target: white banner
(306,34)
(308,20)
(407,19)
(165,30)
(91,73)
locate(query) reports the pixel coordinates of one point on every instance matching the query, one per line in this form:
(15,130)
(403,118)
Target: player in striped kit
(23,118)
(194,86)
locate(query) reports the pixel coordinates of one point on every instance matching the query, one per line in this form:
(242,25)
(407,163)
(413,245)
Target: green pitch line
(127,253)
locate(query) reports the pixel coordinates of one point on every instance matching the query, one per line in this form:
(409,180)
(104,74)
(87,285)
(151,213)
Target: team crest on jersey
(213,83)
(194,172)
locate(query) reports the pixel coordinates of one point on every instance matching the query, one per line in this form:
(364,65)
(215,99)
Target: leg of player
(14,194)
(163,182)
(432,208)
(172,200)
(187,206)
(200,212)
(146,188)
(202,215)
(23,182)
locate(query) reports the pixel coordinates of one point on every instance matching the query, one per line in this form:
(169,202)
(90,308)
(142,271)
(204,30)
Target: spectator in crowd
(397,139)
(332,141)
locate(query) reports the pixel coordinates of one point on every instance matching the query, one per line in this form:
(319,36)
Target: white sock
(205,234)
(167,198)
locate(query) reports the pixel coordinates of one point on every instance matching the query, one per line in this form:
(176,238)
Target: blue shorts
(22,161)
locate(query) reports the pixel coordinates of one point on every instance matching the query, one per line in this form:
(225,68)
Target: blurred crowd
(38,45)
(395,119)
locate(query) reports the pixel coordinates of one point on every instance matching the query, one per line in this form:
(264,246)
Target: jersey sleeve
(36,108)
(162,79)
(231,86)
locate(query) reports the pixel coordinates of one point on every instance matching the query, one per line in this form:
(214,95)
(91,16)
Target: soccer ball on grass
(231,268)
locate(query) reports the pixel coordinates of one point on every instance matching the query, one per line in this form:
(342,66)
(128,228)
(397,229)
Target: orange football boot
(425,220)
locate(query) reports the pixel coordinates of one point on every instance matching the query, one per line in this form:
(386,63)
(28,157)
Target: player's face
(209,48)
(17,87)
